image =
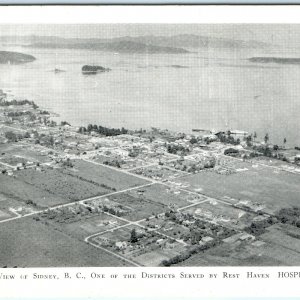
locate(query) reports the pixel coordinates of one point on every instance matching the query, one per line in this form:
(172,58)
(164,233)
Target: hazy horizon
(277,34)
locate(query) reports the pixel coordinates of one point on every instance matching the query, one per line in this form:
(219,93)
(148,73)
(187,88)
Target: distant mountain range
(177,44)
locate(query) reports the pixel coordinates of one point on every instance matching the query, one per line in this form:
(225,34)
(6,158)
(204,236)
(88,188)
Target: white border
(150,14)
(149,288)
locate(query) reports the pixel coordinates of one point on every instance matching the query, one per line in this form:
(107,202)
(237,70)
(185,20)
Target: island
(276,60)
(15,58)
(90,70)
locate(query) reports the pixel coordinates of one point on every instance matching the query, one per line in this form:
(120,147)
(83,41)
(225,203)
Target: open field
(12,148)
(103,176)
(267,186)
(10,207)
(150,200)
(245,253)
(165,195)
(34,247)
(285,236)
(141,207)
(12,154)
(88,226)
(21,191)
(59,185)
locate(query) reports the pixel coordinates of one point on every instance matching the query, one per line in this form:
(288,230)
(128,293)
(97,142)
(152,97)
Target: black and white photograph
(149,145)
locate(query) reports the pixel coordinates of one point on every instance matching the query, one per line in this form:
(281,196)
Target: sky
(278,34)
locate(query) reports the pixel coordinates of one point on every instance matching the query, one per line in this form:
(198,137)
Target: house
(121,245)
(207,239)
(160,241)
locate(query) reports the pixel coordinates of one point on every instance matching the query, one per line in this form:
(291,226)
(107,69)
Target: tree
(254,135)
(284,141)
(266,138)
(133,236)
(11,136)
(193,140)
(249,140)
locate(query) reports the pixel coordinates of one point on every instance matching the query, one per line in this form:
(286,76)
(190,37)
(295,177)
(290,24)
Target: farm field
(11,208)
(103,176)
(21,191)
(150,200)
(21,250)
(88,226)
(59,185)
(165,195)
(267,186)
(141,207)
(255,253)
(283,235)
(10,149)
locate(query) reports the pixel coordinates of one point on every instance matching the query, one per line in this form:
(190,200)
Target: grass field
(104,176)
(244,254)
(271,187)
(164,195)
(89,226)
(285,236)
(42,246)
(60,185)
(149,200)
(141,206)
(18,190)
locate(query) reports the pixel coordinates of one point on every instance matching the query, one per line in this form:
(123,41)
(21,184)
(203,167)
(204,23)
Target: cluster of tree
(116,211)
(195,235)
(15,137)
(177,149)
(47,140)
(113,163)
(289,216)
(193,140)
(63,123)
(30,202)
(134,152)
(259,227)
(228,139)
(19,113)
(187,254)
(18,102)
(44,112)
(133,236)
(231,151)
(65,215)
(68,163)
(102,130)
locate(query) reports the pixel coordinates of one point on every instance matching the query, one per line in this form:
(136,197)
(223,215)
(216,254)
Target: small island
(15,58)
(90,70)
